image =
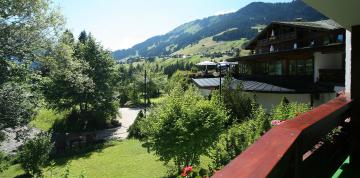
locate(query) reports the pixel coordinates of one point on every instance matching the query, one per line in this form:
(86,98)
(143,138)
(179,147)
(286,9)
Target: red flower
(204,176)
(188,168)
(184,174)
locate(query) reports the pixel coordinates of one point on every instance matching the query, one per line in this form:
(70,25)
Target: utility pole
(145,94)
(220,80)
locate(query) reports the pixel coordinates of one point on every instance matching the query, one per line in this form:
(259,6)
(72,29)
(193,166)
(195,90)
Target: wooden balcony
(277,39)
(301,147)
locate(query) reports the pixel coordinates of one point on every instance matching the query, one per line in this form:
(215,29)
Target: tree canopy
(27,32)
(184,126)
(83,79)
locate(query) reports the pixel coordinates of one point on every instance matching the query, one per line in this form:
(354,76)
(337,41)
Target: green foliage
(83,79)
(179,78)
(286,110)
(16,105)
(238,102)
(125,158)
(134,129)
(34,154)
(238,137)
(27,30)
(4,162)
(132,82)
(184,126)
(183,65)
(46,118)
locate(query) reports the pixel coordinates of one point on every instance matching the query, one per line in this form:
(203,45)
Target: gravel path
(128,116)
(10,144)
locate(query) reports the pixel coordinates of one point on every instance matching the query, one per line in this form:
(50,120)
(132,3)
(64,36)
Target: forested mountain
(234,25)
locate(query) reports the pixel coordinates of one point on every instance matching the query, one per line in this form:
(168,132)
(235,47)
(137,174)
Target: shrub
(288,110)
(34,154)
(236,101)
(203,172)
(239,137)
(4,162)
(184,126)
(134,129)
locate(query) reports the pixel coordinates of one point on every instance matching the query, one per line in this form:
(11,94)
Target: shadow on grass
(23,176)
(63,158)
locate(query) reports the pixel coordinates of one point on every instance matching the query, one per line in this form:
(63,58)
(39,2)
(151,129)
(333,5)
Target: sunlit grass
(122,159)
(46,118)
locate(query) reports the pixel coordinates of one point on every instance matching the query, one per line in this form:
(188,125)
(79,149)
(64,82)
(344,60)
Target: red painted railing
(301,147)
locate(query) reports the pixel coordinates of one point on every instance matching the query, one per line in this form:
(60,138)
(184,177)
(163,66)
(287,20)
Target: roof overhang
(343,12)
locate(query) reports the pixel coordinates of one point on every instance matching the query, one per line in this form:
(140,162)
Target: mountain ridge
(255,13)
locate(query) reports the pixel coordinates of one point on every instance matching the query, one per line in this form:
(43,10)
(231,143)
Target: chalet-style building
(306,58)
(306,146)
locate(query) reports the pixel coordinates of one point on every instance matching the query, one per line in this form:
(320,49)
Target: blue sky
(120,24)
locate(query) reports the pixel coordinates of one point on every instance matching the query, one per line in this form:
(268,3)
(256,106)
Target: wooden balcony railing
(301,147)
(277,39)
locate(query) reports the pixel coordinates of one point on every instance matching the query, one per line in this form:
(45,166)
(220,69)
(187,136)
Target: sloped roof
(322,24)
(252,86)
(317,25)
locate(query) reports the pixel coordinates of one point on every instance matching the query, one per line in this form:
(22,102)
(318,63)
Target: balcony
(277,39)
(314,144)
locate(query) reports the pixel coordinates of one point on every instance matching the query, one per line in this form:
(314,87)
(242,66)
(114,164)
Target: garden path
(128,116)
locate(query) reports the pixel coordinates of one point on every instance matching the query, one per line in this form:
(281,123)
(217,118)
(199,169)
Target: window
(340,38)
(276,68)
(260,68)
(244,69)
(292,67)
(309,67)
(301,67)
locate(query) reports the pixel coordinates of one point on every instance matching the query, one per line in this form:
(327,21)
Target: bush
(134,129)
(184,126)
(239,137)
(34,154)
(236,100)
(286,110)
(203,172)
(4,162)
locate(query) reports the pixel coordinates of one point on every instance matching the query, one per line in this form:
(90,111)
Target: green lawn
(120,159)
(45,119)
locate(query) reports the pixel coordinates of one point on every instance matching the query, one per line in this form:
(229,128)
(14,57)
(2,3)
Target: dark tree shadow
(23,176)
(82,152)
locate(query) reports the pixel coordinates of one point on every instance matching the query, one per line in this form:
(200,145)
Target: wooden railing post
(355,95)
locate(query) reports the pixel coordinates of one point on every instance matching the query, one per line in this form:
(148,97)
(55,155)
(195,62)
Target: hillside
(208,45)
(233,26)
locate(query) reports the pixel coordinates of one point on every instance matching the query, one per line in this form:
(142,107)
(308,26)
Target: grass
(208,45)
(120,159)
(46,118)
(157,100)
